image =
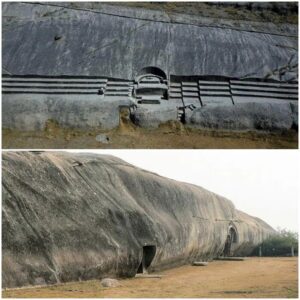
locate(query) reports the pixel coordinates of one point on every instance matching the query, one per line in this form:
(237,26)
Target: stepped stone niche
(85,216)
(206,73)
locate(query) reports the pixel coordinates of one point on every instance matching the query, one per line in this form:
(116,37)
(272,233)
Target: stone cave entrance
(147,258)
(151,70)
(231,239)
(150,86)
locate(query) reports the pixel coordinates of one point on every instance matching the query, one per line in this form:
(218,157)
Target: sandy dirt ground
(170,135)
(252,278)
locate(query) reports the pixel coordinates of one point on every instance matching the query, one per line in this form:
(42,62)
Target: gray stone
(148,276)
(67,216)
(186,46)
(245,116)
(294,108)
(152,116)
(32,111)
(108,282)
(39,281)
(102,138)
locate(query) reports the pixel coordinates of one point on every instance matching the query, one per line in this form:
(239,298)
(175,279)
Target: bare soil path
(252,278)
(171,135)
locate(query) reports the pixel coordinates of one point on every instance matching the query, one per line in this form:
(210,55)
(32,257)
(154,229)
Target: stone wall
(116,42)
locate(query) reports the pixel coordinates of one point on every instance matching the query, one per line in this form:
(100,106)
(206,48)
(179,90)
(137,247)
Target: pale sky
(261,183)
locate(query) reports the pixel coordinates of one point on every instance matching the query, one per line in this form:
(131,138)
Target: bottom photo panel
(150,224)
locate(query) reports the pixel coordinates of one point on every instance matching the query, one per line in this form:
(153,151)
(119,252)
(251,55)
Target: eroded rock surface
(68,217)
(108,282)
(117,42)
(247,116)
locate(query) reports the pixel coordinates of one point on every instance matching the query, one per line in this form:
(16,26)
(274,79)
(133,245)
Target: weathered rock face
(149,117)
(113,42)
(31,112)
(247,116)
(81,216)
(116,42)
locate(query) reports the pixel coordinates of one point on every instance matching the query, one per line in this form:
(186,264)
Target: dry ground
(253,278)
(171,135)
(234,11)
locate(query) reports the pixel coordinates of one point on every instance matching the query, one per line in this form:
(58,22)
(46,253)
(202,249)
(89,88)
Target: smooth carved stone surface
(120,46)
(246,116)
(31,112)
(68,217)
(153,117)
(46,39)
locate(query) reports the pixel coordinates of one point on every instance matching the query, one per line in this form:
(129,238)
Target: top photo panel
(165,75)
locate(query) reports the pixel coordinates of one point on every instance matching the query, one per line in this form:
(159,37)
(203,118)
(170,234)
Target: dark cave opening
(232,238)
(147,258)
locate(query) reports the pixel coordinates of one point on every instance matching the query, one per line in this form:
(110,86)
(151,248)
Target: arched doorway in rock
(232,238)
(147,258)
(150,85)
(152,70)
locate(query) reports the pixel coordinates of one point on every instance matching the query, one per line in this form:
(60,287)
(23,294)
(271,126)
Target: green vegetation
(279,244)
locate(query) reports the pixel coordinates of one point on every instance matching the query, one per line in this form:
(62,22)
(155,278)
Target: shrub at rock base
(279,244)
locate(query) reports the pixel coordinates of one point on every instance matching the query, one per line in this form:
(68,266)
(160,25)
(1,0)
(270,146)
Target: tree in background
(283,243)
